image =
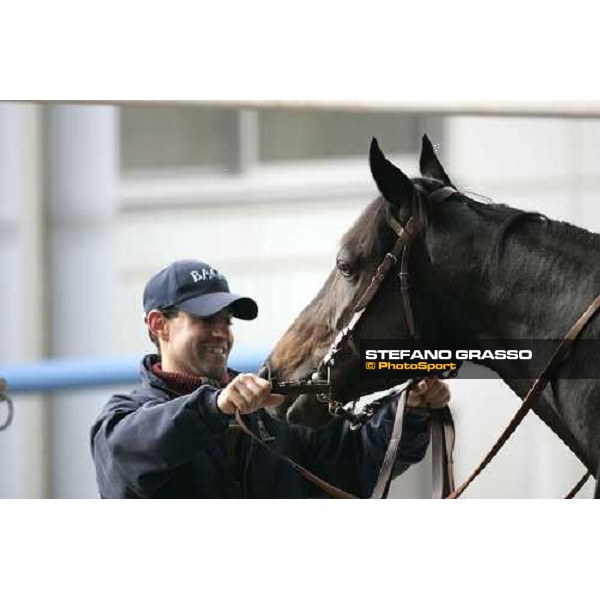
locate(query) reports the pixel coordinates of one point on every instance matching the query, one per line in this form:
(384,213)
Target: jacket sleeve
(351,459)
(142,439)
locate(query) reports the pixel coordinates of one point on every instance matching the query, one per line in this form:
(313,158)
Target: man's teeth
(215,349)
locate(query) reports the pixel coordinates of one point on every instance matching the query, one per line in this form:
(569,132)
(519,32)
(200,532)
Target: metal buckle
(404,281)
(5,398)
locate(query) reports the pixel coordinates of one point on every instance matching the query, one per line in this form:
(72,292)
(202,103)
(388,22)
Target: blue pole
(73,373)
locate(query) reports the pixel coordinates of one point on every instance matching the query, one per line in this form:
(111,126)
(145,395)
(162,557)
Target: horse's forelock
(366,234)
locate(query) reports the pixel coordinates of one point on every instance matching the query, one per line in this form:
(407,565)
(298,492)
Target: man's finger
(430,393)
(436,396)
(274,400)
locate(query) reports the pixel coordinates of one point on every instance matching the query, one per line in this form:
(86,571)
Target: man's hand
(429,393)
(247,393)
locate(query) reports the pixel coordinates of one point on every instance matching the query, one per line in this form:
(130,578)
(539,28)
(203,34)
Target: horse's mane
(511,220)
(370,234)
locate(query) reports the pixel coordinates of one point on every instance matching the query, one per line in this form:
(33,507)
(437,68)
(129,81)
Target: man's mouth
(218,350)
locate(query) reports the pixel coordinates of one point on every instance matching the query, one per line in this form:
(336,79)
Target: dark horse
(479,271)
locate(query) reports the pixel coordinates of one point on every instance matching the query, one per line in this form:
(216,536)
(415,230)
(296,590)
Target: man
(175,435)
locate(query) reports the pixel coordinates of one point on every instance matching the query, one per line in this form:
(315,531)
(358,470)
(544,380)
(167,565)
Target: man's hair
(169,312)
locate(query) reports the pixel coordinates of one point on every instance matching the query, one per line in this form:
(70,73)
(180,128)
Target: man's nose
(220,329)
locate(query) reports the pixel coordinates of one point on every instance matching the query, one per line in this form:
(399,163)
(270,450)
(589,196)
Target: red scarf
(185,383)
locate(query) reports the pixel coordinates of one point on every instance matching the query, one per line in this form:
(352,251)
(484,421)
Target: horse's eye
(344,268)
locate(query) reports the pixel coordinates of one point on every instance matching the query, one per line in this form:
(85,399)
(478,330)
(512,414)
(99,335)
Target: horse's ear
(393,184)
(430,165)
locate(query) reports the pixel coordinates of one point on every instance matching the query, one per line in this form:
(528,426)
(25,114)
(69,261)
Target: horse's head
(301,349)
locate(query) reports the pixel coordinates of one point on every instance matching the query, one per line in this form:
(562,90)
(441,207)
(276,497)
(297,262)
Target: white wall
(24,445)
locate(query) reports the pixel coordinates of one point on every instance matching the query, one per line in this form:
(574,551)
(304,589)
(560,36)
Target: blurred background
(94,199)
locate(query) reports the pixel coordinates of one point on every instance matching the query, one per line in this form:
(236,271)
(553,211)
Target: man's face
(199,346)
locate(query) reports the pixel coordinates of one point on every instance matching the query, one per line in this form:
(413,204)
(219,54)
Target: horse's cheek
(279,412)
(307,411)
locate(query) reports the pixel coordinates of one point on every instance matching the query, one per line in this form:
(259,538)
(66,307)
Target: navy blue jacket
(153,443)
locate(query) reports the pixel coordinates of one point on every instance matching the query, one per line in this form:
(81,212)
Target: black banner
(475,359)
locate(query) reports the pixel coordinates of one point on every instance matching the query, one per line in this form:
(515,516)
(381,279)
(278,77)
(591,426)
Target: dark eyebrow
(228,316)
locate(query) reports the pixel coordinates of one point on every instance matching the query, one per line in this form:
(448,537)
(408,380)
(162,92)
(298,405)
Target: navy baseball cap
(195,288)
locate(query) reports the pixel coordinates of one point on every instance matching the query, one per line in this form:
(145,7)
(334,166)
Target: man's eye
(215,319)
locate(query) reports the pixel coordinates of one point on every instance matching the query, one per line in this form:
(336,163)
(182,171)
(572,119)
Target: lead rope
(385,472)
(442,451)
(442,457)
(442,435)
(332,490)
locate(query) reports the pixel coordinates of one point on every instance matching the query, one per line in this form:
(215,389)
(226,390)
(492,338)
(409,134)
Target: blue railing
(69,373)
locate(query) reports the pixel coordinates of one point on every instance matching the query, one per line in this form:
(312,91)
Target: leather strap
(533,393)
(442,450)
(406,234)
(442,194)
(332,490)
(442,457)
(578,486)
(404,276)
(385,472)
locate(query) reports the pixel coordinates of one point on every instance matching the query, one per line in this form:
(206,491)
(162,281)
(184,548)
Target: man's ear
(158,325)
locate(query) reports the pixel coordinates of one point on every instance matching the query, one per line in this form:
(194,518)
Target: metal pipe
(68,373)
(582,109)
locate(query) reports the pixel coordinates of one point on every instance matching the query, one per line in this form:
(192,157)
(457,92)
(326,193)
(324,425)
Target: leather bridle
(396,260)
(442,425)
(398,256)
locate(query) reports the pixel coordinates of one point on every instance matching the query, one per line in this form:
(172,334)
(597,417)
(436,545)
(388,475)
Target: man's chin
(215,371)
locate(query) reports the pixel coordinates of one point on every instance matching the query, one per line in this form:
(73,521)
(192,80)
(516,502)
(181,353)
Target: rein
(443,434)
(533,394)
(383,478)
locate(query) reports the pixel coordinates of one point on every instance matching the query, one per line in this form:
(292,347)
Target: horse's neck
(540,287)
(537,289)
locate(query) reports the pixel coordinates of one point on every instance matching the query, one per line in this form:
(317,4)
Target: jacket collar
(150,379)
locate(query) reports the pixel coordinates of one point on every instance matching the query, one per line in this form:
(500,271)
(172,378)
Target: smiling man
(174,436)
